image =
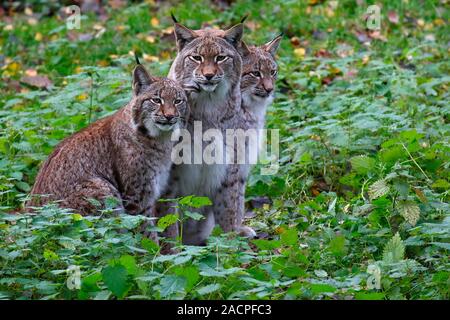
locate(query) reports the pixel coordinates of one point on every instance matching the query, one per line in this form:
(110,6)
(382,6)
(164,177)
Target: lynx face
(208,58)
(259,72)
(161,104)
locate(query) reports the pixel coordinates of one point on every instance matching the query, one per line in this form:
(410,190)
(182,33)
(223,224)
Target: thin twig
(415,162)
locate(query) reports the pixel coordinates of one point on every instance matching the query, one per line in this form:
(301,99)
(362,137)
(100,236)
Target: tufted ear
(183,35)
(273,45)
(234,34)
(141,80)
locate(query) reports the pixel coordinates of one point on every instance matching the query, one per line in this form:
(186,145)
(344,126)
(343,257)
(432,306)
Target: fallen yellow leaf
(439,22)
(38,36)
(154,22)
(82,97)
(300,52)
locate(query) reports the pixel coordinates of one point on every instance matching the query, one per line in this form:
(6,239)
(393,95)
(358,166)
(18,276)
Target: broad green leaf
(263,244)
(171,284)
(289,237)
(167,220)
(317,288)
(337,246)
(394,250)
(362,164)
(195,202)
(191,274)
(115,279)
(193,215)
(129,262)
(209,289)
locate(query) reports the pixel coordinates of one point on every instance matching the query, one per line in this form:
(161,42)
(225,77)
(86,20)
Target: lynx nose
(209,76)
(267,85)
(169,117)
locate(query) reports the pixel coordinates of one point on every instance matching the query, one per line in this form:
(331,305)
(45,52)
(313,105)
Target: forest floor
(358,210)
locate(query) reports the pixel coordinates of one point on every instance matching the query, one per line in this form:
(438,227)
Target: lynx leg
(95,188)
(229,204)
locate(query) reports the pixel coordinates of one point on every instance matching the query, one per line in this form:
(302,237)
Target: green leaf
(50,255)
(193,215)
(317,288)
(209,289)
(394,250)
(337,246)
(129,262)
(263,244)
(171,284)
(409,210)
(362,164)
(167,220)
(191,274)
(195,202)
(441,184)
(378,189)
(149,245)
(289,237)
(115,279)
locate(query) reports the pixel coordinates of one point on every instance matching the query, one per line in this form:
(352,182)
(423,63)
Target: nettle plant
(403,190)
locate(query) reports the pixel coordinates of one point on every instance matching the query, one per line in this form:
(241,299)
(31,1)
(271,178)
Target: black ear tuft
(136,58)
(141,79)
(173,18)
(244,18)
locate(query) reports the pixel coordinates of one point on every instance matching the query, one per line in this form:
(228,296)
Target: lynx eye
(221,58)
(273,72)
(156,100)
(196,58)
(177,101)
(256,74)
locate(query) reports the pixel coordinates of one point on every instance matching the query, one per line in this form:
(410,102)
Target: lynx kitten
(125,155)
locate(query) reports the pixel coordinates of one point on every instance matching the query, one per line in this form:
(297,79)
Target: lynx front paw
(247,232)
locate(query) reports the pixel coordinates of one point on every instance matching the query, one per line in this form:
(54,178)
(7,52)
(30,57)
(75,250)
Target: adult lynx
(259,72)
(208,64)
(125,155)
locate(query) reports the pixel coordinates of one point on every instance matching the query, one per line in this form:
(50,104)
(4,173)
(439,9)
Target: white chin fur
(208,88)
(165,127)
(155,129)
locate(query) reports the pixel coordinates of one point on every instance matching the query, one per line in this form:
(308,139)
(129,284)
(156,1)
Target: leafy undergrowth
(358,210)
